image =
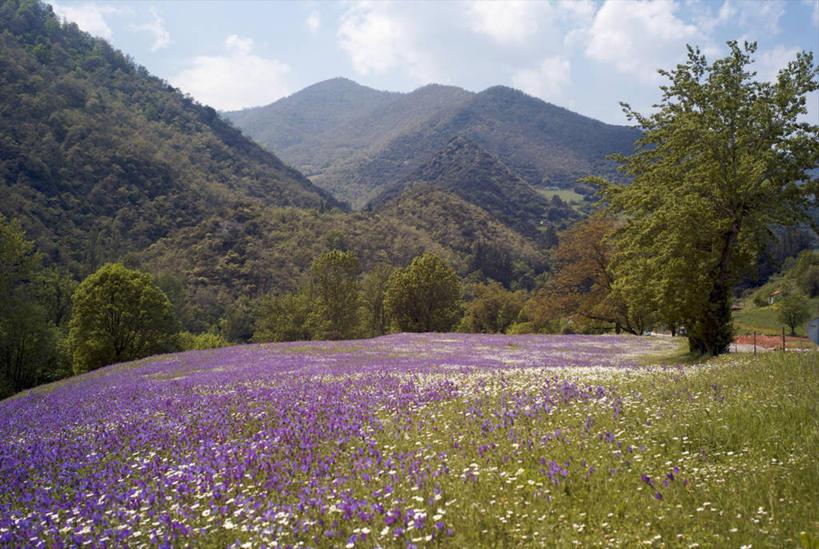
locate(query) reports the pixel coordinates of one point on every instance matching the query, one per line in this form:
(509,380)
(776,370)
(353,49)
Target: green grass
(739,435)
(764,319)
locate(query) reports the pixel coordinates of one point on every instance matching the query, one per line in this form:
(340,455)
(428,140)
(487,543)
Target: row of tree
(51,326)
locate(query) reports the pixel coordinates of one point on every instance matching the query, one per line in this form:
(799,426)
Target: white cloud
(639,38)
(768,63)
(378,37)
(162,38)
(546,81)
(313,21)
(579,9)
(88,17)
(235,80)
(506,22)
(374,40)
(761,17)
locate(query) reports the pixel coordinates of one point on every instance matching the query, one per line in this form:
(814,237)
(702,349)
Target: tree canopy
(119,315)
(335,279)
(425,296)
(722,159)
(27,340)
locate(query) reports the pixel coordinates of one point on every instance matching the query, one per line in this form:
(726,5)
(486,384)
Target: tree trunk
(712,331)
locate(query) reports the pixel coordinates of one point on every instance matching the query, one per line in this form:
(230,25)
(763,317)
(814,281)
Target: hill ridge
(544,144)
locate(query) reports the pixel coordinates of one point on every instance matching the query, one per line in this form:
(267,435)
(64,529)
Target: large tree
(583,283)
(27,339)
(119,315)
(722,159)
(288,317)
(335,282)
(424,297)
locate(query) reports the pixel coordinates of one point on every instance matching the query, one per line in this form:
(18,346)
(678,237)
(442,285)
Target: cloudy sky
(586,56)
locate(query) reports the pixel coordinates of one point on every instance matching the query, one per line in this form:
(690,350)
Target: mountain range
(101,161)
(354,142)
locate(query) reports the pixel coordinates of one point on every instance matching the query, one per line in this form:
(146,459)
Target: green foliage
(793,310)
(98,158)
(424,297)
(286,318)
(720,161)
(28,336)
(806,272)
(374,319)
(493,310)
(335,282)
(809,281)
(471,233)
(236,325)
(191,342)
(119,315)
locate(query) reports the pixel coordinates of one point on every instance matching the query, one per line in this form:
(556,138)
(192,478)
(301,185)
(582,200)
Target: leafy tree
(119,315)
(493,310)
(720,160)
(424,297)
(493,260)
(793,310)
(237,323)
(809,281)
(583,283)
(285,318)
(27,339)
(335,280)
(375,321)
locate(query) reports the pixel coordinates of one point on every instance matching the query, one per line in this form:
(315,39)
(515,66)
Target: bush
(809,281)
(424,297)
(494,310)
(191,342)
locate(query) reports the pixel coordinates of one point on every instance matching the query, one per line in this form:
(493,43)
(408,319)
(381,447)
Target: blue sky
(586,56)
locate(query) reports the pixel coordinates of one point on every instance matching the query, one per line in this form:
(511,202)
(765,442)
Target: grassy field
(420,441)
(765,320)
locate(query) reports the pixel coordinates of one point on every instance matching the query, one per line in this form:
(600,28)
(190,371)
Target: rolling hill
(374,145)
(98,158)
(479,178)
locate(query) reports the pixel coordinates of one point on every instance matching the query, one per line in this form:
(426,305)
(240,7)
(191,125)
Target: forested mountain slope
(543,144)
(479,178)
(99,158)
(287,123)
(252,250)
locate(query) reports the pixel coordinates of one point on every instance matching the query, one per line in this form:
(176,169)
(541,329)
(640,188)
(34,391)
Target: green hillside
(251,250)
(477,177)
(543,144)
(285,124)
(98,158)
(760,309)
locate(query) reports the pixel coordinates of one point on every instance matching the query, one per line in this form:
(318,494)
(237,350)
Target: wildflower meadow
(419,440)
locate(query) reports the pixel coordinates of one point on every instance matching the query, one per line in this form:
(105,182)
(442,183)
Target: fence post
(754,343)
(783,338)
